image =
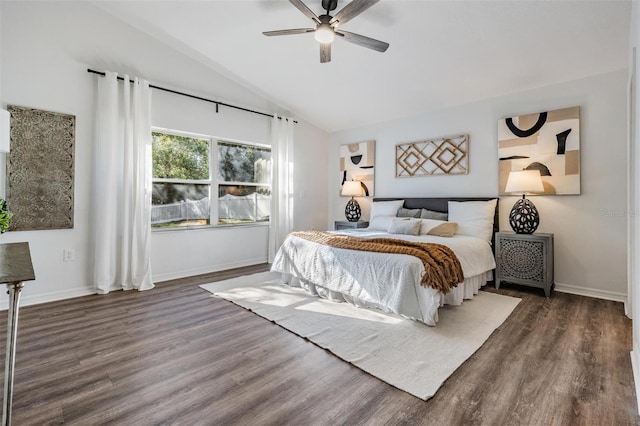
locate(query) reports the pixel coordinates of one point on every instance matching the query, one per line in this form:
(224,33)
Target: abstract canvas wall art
(441,156)
(357,161)
(40,169)
(547,141)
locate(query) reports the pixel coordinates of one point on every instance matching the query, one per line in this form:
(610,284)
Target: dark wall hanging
(546,141)
(40,169)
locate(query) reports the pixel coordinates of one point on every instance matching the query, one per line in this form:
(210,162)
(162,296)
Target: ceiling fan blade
(304,9)
(363,41)
(350,11)
(325,52)
(288,32)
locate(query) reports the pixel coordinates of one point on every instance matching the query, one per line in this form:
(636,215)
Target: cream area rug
(404,353)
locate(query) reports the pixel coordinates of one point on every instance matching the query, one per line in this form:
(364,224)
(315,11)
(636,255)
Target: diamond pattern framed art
(442,156)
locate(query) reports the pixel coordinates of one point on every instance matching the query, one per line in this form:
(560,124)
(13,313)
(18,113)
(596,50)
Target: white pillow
(474,218)
(381,223)
(385,208)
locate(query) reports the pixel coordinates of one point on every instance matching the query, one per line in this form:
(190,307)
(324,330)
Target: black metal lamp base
(352,211)
(524,217)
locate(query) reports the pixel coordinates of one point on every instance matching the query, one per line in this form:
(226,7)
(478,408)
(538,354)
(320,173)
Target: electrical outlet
(68,255)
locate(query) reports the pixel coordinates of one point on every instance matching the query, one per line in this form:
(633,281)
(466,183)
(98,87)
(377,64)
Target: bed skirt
(430,299)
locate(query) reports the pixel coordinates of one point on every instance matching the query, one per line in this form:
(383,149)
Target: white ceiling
(441,54)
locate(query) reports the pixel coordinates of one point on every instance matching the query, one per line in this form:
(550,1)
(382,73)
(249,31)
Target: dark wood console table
(15,269)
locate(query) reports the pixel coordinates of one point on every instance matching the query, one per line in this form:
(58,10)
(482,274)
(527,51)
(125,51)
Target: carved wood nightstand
(345,224)
(525,259)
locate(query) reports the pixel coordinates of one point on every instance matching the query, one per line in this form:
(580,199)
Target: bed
(391,282)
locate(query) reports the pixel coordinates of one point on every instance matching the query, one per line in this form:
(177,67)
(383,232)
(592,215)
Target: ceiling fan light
(324,34)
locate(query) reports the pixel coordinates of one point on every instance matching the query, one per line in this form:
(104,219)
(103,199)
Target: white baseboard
(591,292)
(79,292)
(199,271)
(635,365)
(26,300)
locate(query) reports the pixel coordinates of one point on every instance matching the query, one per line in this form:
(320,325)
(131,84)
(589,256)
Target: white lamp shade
(352,188)
(5,130)
(524,181)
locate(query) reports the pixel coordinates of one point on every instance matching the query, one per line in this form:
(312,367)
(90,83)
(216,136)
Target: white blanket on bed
(388,281)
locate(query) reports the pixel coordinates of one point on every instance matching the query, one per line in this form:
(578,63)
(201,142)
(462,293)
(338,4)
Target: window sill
(211,227)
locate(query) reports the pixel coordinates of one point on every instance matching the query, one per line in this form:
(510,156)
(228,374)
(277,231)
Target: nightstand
(525,259)
(345,224)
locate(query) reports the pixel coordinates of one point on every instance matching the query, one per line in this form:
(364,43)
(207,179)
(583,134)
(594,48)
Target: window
(189,169)
(244,183)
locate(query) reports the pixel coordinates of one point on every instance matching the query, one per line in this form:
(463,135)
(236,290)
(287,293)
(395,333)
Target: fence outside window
(231,209)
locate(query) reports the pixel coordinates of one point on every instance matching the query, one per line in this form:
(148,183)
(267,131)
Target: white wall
(181,253)
(633,307)
(590,229)
(46,50)
(47,46)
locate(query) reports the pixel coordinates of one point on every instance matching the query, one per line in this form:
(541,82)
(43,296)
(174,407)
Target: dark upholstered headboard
(442,205)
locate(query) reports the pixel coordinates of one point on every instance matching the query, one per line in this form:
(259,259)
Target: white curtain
(121,207)
(281,222)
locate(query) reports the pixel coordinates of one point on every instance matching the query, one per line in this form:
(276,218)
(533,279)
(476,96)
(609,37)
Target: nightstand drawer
(345,224)
(525,259)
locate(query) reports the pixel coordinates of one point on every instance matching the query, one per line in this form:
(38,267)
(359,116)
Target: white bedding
(386,281)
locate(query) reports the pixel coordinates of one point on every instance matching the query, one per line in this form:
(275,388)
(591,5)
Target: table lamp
(352,188)
(524,217)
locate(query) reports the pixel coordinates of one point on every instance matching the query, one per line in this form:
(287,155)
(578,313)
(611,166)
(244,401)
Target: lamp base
(524,217)
(352,211)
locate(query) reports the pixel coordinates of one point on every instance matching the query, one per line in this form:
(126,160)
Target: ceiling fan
(326,26)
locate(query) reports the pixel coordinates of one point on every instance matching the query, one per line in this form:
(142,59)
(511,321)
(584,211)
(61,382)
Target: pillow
(405,226)
(430,214)
(402,212)
(439,228)
(474,218)
(385,208)
(381,223)
(445,229)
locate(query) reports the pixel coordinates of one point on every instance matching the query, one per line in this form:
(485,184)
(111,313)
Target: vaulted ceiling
(441,54)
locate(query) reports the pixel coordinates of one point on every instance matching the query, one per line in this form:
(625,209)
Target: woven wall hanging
(40,169)
(442,156)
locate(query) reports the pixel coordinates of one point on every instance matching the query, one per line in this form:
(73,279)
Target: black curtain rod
(218,103)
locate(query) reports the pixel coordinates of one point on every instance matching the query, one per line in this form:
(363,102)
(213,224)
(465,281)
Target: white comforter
(386,281)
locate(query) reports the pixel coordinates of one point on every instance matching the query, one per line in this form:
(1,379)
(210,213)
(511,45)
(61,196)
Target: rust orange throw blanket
(442,267)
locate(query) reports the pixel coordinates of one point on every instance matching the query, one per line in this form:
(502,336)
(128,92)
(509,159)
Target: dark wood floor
(176,355)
